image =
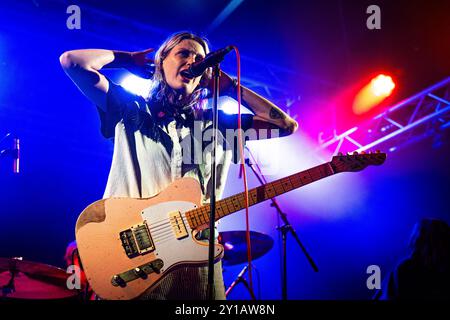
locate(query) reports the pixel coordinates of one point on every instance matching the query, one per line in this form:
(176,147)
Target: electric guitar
(128,245)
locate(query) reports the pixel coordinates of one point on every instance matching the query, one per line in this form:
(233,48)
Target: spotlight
(230,106)
(382,85)
(372,94)
(136,85)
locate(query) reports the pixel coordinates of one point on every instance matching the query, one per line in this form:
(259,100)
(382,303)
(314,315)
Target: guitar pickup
(137,240)
(178,226)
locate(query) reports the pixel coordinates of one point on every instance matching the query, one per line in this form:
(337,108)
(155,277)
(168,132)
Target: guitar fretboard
(200,216)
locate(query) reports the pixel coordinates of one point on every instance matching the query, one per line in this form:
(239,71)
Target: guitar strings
(164,223)
(167,229)
(162,230)
(164,238)
(276,184)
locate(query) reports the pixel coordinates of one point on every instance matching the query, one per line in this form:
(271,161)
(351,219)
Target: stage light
(382,85)
(136,85)
(230,106)
(372,94)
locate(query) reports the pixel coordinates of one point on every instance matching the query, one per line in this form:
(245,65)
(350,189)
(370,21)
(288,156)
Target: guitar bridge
(137,240)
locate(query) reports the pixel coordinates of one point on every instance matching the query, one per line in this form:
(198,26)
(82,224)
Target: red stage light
(382,85)
(371,95)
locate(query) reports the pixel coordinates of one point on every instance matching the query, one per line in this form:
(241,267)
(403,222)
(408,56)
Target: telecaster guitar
(128,245)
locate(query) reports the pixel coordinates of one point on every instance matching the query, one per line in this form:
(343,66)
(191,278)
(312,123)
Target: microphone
(16,156)
(196,69)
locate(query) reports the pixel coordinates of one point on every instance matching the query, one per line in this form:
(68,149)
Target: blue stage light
(230,106)
(136,85)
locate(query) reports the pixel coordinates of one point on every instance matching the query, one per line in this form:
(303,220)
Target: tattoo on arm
(276,114)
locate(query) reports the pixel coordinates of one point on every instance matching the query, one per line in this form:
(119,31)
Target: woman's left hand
(140,64)
(226,86)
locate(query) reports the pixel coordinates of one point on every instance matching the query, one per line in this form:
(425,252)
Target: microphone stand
(13,152)
(212,216)
(284,229)
(240,278)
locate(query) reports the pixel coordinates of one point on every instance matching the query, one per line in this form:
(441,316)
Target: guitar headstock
(357,161)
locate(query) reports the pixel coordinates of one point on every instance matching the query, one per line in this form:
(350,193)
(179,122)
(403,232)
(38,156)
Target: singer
(148,133)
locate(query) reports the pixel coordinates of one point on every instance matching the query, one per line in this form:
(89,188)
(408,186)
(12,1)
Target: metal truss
(420,116)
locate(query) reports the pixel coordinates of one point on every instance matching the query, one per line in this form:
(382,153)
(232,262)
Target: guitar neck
(200,216)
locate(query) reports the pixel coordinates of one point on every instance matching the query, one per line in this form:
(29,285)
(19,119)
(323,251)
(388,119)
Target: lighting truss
(423,115)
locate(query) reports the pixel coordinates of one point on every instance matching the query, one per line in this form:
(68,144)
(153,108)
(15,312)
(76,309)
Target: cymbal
(31,280)
(235,245)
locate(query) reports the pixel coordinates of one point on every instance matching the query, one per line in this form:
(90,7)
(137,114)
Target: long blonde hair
(161,93)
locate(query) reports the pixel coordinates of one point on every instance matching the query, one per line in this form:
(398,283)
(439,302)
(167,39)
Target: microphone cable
(242,168)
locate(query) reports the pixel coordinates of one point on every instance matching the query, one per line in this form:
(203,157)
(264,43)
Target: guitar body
(117,235)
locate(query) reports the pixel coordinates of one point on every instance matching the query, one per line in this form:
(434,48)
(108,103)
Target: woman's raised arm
(83,67)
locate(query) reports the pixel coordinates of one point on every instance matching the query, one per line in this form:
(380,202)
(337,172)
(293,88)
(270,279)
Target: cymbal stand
(240,278)
(10,287)
(284,229)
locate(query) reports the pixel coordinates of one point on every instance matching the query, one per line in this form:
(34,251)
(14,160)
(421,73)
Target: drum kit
(20,279)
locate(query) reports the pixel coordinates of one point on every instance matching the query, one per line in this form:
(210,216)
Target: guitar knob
(118,281)
(140,273)
(156,268)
